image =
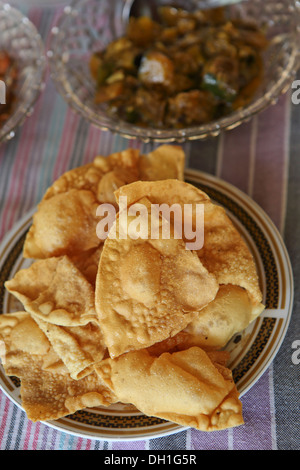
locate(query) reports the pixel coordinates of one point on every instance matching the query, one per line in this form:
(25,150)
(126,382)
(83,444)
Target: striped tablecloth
(262,158)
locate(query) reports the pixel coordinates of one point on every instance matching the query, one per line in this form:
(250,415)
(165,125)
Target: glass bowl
(87,26)
(20,39)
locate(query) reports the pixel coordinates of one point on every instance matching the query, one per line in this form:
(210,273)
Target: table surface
(261,157)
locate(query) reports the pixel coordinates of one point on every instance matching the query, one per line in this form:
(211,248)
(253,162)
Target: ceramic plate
(251,350)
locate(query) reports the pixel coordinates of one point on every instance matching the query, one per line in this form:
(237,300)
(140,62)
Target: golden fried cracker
(185,387)
(65,220)
(170,345)
(47,390)
(20,332)
(120,168)
(102,177)
(49,396)
(64,224)
(85,177)
(229,313)
(168,191)
(23,338)
(165,162)
(225,253)
(79,347)
(55,290)
(87,262)
(88,177)
(126,161)
(147,289)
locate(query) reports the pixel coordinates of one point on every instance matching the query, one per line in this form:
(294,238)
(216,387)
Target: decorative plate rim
(279,318)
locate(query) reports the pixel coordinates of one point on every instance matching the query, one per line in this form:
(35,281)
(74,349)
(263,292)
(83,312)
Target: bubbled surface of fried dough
(79,347)
(224,253)
(148,289)
(85,177)
(55,290)
(165,162)
(48,392)
(229,313)
(64,224)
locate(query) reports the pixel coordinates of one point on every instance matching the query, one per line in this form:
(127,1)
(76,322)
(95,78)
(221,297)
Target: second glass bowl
(21,41)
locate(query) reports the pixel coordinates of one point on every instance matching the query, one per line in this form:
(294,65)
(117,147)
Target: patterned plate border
(253,350)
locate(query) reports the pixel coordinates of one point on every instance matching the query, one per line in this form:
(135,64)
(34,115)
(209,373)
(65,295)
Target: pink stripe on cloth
(236,155)
(27,435)
(56,15)
(35,441)
(83,444)
(79,443)
(3,422)
(64,153)
(18,171)
(93,140)
(35,15)
(271,156)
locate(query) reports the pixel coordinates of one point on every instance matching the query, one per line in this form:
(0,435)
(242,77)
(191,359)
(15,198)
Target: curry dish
(183,69)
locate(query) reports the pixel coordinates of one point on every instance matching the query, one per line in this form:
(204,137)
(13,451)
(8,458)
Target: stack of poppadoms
(139,321)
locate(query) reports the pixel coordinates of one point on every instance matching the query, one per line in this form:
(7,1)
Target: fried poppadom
(65,220)
(55,291)
(47,389)
(79,347)
(88,177)
(87,262)
(165,162)
(85,177)
(147,289)
(224,253)
(229,313)
(119,168)
(64,224)
(185,387)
